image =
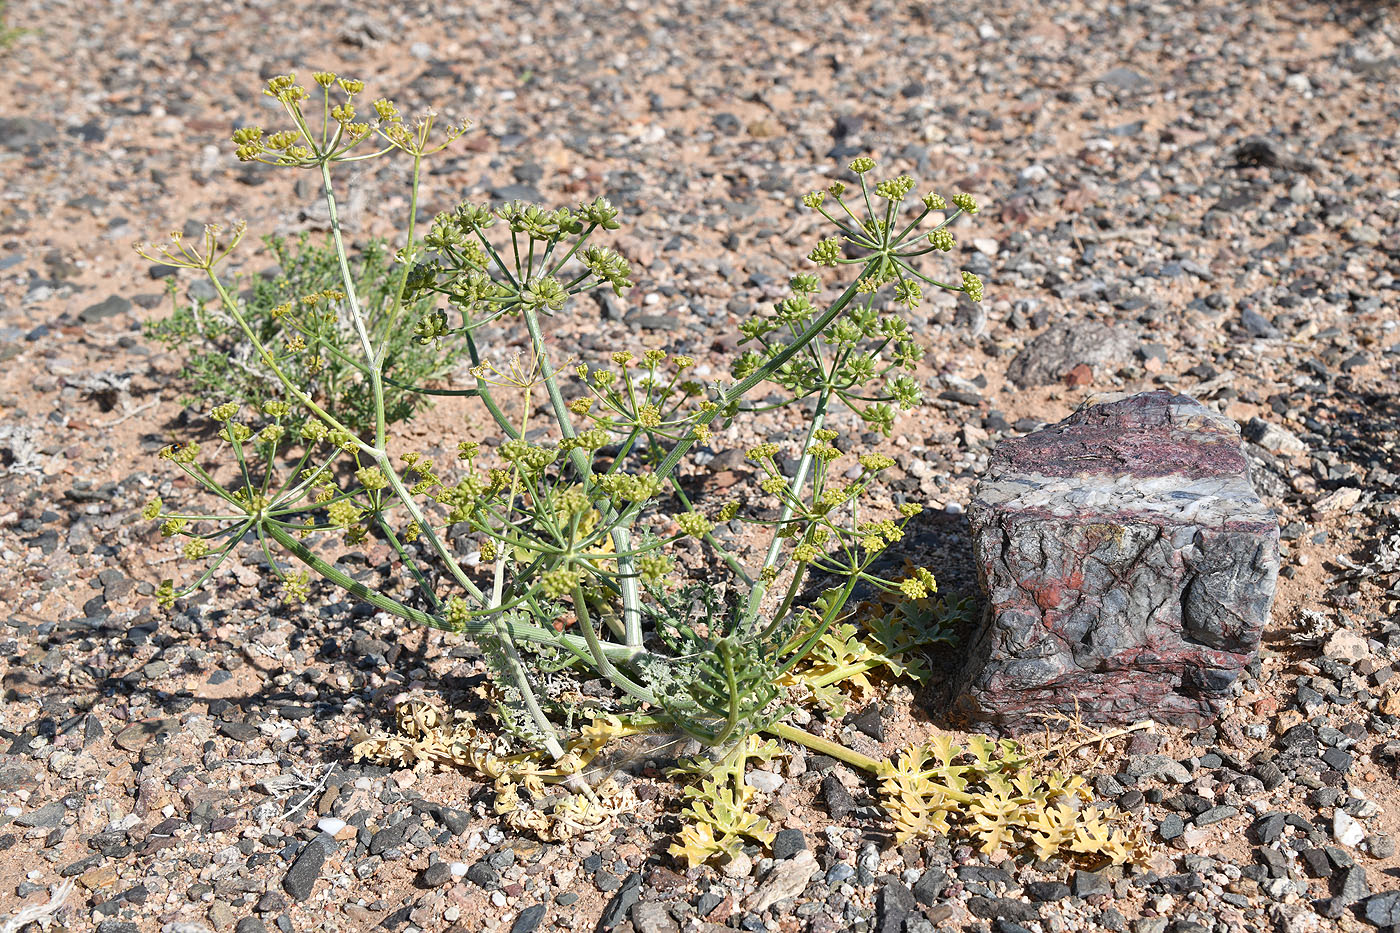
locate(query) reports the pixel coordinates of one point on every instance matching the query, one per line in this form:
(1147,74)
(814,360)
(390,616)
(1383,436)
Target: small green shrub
(290,311)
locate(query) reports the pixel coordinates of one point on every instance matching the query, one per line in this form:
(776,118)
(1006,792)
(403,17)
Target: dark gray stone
(1128,567)
(25,133)
(238,731)
(1382,910)
(1126,80)
(870,722)
(616,910)
(1004,908)
(436,875)
(456,821)
(1085,883)
(306,867)
(1215,815)
(1047,890)
(930,885)
(788,843)
(108,307)
(1353,886)
(839,802)
(1256,324)
(390,837)
(483,875)
(1049,358)
(893,904)
(529,919)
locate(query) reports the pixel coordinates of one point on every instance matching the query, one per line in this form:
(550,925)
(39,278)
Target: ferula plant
(219,361)
(555,547)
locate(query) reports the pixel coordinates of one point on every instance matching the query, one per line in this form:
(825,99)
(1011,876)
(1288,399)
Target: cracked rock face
(1126,563)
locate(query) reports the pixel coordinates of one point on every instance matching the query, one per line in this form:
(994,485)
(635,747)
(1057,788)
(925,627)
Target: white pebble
(330,825)
(1346,830)
(498,898)
(458,869)
(765,781)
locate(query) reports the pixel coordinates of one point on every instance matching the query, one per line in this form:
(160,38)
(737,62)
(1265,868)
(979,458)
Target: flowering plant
(556,550)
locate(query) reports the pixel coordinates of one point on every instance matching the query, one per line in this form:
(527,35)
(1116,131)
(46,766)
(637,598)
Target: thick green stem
(600,659)
(825,747)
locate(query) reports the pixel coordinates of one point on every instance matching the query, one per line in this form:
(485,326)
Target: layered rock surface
(1127,564)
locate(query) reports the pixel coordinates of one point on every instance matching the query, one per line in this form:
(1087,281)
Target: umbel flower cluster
(556,546)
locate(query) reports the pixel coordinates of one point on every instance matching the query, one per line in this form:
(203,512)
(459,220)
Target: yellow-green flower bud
(972,286)
(372,477)
(694,524)
(655,566)
(560,581)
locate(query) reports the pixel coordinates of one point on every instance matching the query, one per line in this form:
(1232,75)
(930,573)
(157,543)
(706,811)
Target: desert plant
(573,573)
(218,362)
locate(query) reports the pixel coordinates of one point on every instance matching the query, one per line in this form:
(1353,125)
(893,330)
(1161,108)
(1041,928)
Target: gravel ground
(1219,183)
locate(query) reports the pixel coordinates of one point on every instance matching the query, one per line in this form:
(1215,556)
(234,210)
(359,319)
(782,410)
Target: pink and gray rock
(1126,563)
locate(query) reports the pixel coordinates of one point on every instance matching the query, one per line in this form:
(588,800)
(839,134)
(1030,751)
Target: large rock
(1127,564)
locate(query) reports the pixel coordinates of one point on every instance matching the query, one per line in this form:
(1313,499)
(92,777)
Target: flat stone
(436,875)
(1052,356)
(301,877)
(1382,910)
(108,307)
(651,917)
(529,919)
(787,879)
(135,736)
(930,885)
(617,908)
(1158,767)
(1128,566)
(1002,908)
(46,817)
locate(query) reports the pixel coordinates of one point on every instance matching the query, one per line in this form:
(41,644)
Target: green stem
(826,747)
(357,317)
(798,481)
